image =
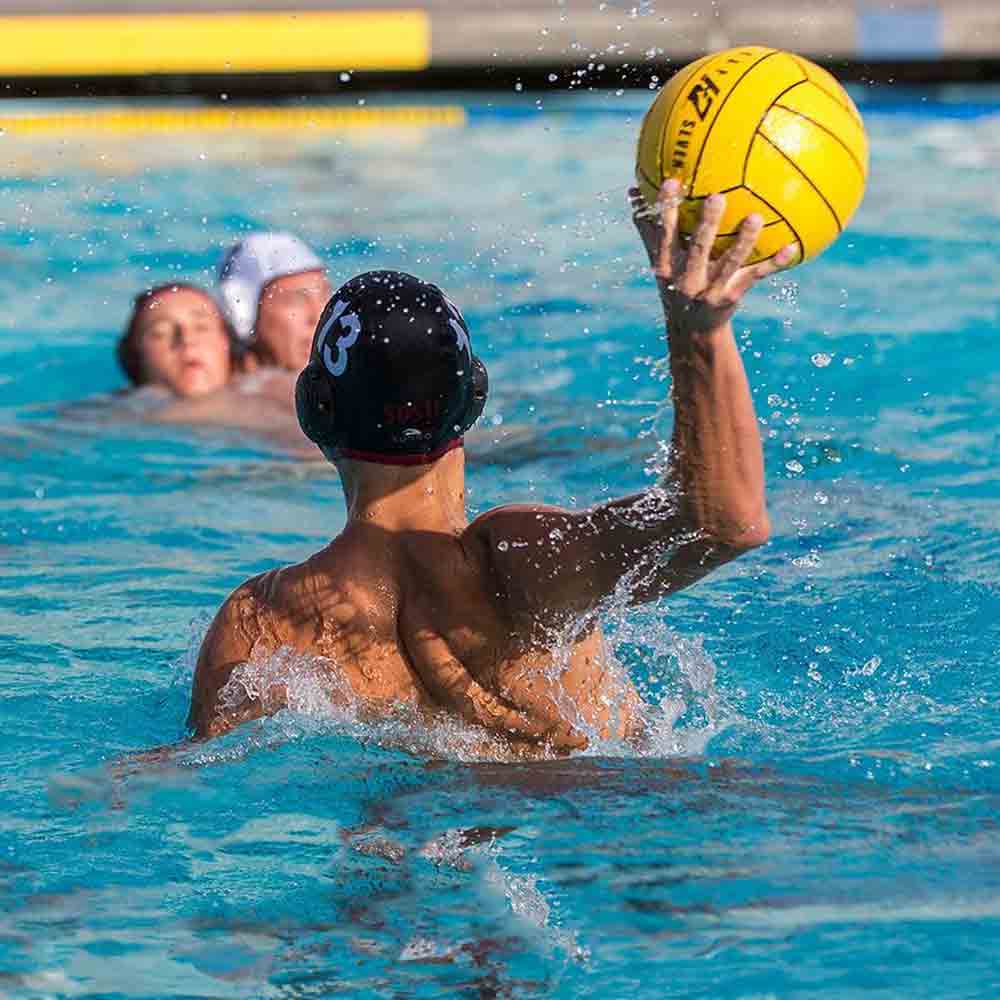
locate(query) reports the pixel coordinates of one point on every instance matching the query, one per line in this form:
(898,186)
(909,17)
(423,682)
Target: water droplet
(871,666)
(821,360)
(794,466)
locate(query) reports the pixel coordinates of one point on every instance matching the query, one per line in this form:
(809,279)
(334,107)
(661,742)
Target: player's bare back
(419,620)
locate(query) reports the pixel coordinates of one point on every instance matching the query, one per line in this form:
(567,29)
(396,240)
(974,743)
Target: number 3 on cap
(336,366)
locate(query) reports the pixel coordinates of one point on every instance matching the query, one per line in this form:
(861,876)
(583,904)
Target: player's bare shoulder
(517,522)
(226,644)
(251,623)
(520,545)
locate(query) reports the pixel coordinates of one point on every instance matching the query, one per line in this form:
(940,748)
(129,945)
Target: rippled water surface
(818,814)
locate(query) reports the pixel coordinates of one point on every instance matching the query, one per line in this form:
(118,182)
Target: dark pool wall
(288,46)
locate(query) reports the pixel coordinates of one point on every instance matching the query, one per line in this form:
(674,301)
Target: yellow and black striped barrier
(258,119)
(239,42)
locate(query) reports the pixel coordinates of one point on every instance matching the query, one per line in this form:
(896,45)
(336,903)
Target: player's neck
(407,497)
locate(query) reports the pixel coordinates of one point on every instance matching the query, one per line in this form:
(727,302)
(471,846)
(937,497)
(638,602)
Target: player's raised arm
(709,506)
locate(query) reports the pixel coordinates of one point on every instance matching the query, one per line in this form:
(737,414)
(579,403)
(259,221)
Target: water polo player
(273,289)
(177,338)
(493,621)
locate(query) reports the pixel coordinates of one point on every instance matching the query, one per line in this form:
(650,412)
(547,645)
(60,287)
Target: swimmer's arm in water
(225,647)
(709,507)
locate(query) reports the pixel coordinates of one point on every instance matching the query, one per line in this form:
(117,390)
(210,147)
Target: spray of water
(681,711)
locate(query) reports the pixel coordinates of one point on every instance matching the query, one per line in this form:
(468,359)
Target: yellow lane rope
(275,42)
(152,120)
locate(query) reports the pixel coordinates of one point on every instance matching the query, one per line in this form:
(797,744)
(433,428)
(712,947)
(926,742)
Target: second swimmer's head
(391,376)
(272,288)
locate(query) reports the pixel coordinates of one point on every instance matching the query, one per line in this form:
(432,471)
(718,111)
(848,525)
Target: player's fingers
(736,256)
(749,276)
(646,223)
(703,239)
(642,214)
(668,204)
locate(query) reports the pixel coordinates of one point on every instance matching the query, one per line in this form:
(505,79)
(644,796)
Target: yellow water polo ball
(775,133)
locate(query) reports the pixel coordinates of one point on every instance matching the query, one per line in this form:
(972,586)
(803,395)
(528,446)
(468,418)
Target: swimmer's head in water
(176,337)
(289,309)
(273,289)
(391,377)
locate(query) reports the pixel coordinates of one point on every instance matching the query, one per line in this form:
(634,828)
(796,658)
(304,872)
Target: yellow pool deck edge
(256,42)
(260,119)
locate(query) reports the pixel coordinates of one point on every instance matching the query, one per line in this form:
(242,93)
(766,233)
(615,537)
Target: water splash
(681,711)
(521,892)
(529,903)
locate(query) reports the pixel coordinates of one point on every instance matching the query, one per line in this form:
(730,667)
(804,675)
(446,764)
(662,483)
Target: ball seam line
(829,132)
(728,190)
(642,173)
(718,114)
(665,130)
(806,177)
(767,111)
(767,225)
(849,108)
(798,239)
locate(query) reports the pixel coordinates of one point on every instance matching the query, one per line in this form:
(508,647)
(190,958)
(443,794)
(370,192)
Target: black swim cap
(391,376)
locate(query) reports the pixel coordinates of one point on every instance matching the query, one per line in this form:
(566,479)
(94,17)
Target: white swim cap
(250,266)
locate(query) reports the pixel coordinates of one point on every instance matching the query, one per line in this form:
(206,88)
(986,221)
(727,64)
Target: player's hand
(700,294)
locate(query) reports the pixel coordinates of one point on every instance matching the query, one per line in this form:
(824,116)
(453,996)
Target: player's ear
(480,391)
(314,406)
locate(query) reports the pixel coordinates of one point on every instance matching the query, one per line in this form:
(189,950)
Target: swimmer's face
(183,343)
(289,309)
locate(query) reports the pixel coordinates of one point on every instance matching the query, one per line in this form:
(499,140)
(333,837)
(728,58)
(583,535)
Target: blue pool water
(819,814)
